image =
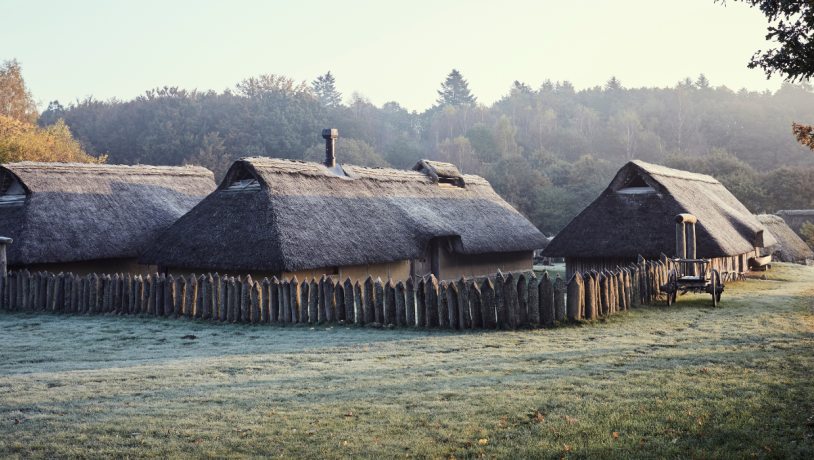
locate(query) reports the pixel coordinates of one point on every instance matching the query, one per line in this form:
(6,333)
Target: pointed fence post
(66,292)
(34,291)
(534,300)
(370,310)
(452,305)
(574,289)
(4,294)
(431,301)
(421,304)
(559,298)
(330,300)
(313,302)
(121,302)
(238,298)
(476,305)
(216,297)
(255,298)
(378,301)
(628,289)
(305,294)
(603,293)
(190,296)
(265,305)
(358,303)
(180,295)
(199,303)
(500,304)
(510,300)
(443,306)
(401,312)
(464,313)
(127,284)
(207,297)
(11,288)
(546,290)
(488,304)
(274,302)
(522,316)
(294,288)
(159,294)
(49,292)
(136,293)
(339,296)
(26,290)
(350,302)
(169,296)
(284,298)
(389,302)
(588,286)
(246,299)
(95,306)
(59,293)
(409,301)
(321,297)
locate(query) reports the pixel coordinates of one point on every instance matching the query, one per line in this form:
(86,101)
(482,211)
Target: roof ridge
(659,170)
(185,170)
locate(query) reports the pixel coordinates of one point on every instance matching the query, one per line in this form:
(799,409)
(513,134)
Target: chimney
(329,135)
(685,236)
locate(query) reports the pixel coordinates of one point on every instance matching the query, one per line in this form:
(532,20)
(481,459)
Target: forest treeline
(548,150)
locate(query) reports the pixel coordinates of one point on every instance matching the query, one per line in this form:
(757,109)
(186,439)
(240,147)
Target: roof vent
(446,175)
(330,136)
(636,185)
(11,192)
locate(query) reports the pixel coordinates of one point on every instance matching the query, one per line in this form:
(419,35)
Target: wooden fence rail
(498,302)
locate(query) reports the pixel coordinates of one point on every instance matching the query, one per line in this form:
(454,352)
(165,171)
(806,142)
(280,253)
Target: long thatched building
(796,218)
(635,216)
(92,218)
(789,247)
(274,217)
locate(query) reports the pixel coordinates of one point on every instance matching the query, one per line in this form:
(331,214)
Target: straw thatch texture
(796,218)
(626,225)
(75,212)
(790,247)
(302,216)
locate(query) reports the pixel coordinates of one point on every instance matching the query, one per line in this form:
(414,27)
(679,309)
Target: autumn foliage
(804,134)
(21,141)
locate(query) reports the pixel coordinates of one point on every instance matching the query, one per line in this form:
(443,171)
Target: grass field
(686,381)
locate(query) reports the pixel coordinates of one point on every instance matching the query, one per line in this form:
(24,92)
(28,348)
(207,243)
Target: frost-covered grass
(686,381)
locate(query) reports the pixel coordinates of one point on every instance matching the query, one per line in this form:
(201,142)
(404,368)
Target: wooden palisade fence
(498,302)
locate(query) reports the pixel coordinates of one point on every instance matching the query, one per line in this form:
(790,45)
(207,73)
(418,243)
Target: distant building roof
(287,215)
(66,212)
(790,246)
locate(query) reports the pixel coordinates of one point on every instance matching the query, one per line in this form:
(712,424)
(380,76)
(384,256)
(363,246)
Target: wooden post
(431,301)
(588,285)
(358,303)
(464,313)
(378,300)
(500,305)
(274,302)
(339,302)
(389,302)
(265,305)
(11,290)
(370,311)
(255,301)
(50,290)
(157,298)
(603,294)
(452,305)
(488,304)
(534,300)
(305,294)
(294,288)
(443,307)
(546,290)
(127,284)
(330,300)
(216,297)
(321,297)
(350,302)
(238,298)
(180,296)
(191,296)
(510,301)
(313,302)
(681,241)
(119,293)
(73,293)
(208,304)
(246,299)
(199,311)
(135,292)
(559,298)
(58,298)
(409,298)
(4,273)
(574,288)
(476,305)
(522,316)
(223,297)
(95,306)
(284,298)
(169,296)
(34,291)
(25,290)
(421,304)
(401,312)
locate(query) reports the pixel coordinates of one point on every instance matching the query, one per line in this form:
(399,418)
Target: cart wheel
(671,296)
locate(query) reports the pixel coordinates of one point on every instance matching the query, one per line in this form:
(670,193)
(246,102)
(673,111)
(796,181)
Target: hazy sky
(386,50)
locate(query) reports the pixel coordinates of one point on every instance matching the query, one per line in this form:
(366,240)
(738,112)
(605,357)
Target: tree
(613,84)
(483,143)
(702,82)
(626,129)
(808,232)
(20,141)
(16,100)
(325,90)
(264,84)
(455,90)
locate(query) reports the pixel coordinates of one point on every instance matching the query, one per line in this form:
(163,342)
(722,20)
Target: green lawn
(686,381)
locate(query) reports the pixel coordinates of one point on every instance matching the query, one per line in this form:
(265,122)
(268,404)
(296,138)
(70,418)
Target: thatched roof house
(282,217)
(635,216)
(789,247)
(796,218)
(87,217)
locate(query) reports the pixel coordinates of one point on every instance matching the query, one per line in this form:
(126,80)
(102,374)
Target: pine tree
(613,84)
(455,90)
(325,90)
(702,82)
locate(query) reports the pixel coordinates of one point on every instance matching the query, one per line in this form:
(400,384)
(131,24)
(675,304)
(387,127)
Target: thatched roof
(70,211)
(790,247)
(299,215)
(796,218)
(635,216)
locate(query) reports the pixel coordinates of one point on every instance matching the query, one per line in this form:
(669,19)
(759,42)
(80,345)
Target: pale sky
(388,51)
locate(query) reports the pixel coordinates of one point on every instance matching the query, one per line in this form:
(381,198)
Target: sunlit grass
(687,381)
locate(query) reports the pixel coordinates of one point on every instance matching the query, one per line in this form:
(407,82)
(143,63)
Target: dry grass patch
(686,381)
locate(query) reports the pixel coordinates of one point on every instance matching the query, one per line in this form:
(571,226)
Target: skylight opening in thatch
(450,182)
(243,181)
(11,192)
(636,185)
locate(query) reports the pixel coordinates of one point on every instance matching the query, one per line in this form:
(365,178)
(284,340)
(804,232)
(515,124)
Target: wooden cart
(692,275)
